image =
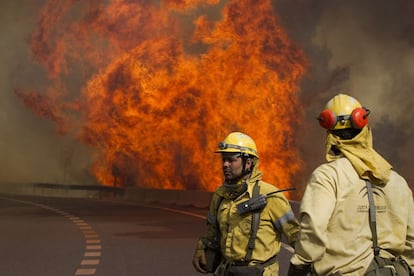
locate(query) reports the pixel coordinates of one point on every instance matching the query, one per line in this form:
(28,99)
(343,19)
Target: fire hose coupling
(257,203)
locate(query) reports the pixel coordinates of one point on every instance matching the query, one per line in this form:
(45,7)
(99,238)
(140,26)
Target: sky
(361,48)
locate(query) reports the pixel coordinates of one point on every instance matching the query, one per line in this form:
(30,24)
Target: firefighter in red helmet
(357,213)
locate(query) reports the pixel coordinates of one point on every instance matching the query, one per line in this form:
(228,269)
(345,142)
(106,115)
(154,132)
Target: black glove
(298,270)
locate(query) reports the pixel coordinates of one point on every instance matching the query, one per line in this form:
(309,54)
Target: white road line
(284,245)
(93,247)
(90,236)
(85,227)
(85,271)
(92,254)
(92,241)
(87,231)
(90,262)
(162,208)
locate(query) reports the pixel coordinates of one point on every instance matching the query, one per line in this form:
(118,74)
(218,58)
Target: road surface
(70,236)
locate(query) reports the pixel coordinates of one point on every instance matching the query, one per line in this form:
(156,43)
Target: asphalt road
(58,236)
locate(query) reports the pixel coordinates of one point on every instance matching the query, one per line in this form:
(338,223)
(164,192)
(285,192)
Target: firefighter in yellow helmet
(245,222)
(356,190)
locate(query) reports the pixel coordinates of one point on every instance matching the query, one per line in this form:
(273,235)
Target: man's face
(233,165)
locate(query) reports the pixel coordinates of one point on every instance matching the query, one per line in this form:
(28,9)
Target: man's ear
(249,163)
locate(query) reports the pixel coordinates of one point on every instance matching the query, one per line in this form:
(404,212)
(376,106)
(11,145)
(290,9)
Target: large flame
(160,84)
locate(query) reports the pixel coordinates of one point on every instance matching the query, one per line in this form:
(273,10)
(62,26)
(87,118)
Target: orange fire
(154,87)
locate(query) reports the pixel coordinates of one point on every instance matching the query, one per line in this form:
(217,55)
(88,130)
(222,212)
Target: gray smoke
(363,48)
(30,148)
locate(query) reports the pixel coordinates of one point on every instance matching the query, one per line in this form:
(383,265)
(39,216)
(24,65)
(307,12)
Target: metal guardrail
(195,198)
(79,187)
(102,190)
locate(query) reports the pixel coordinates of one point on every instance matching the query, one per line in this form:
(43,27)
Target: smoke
(363,48)
(30,148)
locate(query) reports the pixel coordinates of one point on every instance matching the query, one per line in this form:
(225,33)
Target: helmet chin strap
(244,171)
(233,191)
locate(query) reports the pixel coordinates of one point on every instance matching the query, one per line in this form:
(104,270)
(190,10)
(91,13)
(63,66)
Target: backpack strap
(372,218)
(218,202)
(255,225)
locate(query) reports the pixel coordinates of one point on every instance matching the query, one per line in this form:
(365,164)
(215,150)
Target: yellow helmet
(238,142)
(343,111)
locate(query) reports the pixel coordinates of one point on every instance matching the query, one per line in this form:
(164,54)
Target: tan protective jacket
(276,219)
(335,234)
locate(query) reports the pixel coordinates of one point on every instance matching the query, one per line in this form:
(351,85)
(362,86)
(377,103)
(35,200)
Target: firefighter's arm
(408,253)
(199,258)
(316,209)
(284,219)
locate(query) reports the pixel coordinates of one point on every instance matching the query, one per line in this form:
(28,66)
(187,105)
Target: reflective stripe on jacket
(276,219)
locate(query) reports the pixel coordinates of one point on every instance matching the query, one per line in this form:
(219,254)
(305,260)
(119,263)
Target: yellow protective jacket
(335,233)
(276,219)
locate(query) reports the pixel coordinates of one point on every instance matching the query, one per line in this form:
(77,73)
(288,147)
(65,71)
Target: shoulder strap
(218,202)
(372,218)
(255,224)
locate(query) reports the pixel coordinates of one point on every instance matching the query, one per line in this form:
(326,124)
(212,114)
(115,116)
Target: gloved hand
(199,260)
(298,270)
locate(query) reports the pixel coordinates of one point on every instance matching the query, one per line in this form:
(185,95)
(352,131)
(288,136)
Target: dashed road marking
(91,258)
(85,227)
(92,241)
(93,247)
(90,262)
(91,236)
(92,254)
(85,271)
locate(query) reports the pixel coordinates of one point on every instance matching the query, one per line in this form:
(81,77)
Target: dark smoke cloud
(363,48)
